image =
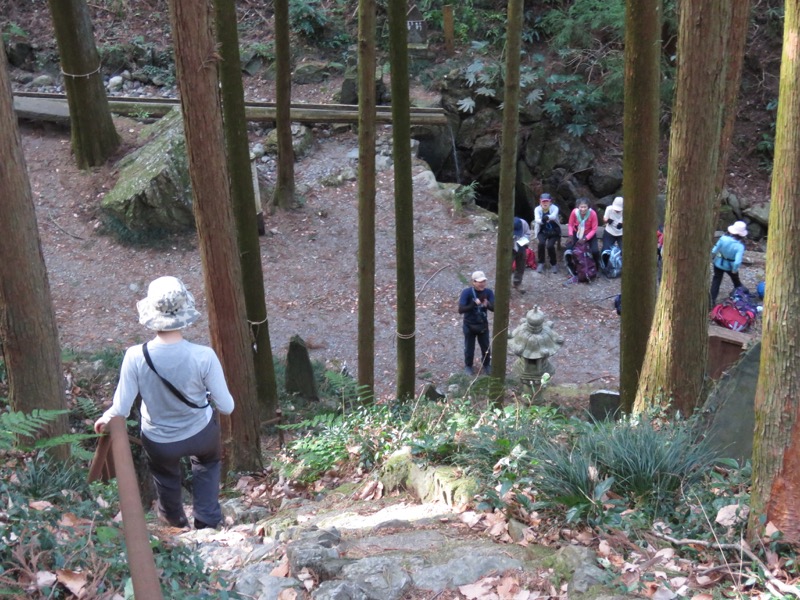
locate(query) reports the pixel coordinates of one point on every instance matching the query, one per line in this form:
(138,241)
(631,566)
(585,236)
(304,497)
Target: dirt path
(310,267)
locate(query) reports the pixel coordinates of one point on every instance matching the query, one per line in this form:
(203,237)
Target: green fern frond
(14,424)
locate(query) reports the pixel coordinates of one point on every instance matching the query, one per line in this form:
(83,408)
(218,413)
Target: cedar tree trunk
(94,138)
(196,61)
(674,365)
(505,200)
(776,442)
(243,197)
(366,196)
(284,188)
(27,321)
(640,188)
(403,200)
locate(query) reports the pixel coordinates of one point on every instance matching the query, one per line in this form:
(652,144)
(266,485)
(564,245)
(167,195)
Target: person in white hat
(474,303)
(178,382)
(727,256)
(612,219)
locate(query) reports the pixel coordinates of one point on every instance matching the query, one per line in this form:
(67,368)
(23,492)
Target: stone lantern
(534,342)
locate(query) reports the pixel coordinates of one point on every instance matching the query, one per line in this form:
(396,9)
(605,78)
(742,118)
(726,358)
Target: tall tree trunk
(505,200)
(94,138)
(737,38)
(403,200)
(196,61)
(27,321)
(366,195)
(640,188)
(674,365)
(284,188)
(776,444)
(244,205)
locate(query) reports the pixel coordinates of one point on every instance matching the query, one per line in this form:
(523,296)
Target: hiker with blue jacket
(727,256)
(474,303)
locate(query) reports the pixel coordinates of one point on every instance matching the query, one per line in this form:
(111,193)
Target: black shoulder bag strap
(171,387)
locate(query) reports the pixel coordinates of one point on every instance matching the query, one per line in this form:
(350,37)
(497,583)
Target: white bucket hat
(168,307)
(739,228)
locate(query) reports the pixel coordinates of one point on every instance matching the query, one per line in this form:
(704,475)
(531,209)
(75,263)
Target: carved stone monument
(534,342)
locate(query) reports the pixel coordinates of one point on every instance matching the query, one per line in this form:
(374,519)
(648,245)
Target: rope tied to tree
(97,70)
(406,336)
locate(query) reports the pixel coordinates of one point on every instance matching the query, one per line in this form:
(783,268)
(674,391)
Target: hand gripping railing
(146,585)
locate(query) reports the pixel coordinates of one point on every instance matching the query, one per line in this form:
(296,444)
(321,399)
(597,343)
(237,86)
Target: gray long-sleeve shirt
(192,369)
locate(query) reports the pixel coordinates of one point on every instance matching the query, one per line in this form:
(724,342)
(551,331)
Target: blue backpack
(611,259)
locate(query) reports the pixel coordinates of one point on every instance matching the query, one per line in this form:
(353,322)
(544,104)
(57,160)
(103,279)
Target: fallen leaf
(282,570)
(45,579)
(507,587)
(703,597)
(72,580)
(770,530)
(480,590)
(663,593)
(288,594)
(40,505)
(604,548)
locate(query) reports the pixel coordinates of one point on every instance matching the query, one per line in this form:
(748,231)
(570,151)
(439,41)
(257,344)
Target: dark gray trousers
(205,451)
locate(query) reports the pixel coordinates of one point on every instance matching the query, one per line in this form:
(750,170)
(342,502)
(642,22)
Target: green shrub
(647,466)
(307,17)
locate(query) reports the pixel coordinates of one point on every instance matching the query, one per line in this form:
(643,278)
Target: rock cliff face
(153,194)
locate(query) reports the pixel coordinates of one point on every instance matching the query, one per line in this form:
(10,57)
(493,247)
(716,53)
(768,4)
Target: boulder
(758,213)
(312,71)
(152,196)
(302,139)
(564,150)
(21,55)
(478,126)
(605,180)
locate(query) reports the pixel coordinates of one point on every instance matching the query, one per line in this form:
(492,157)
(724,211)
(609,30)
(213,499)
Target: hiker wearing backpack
(582,226)
(547,231)
(474,303)
(727,256)
(522,232)
(612,219)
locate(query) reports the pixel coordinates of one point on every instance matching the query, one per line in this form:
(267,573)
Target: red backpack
(530,260)
(733,314)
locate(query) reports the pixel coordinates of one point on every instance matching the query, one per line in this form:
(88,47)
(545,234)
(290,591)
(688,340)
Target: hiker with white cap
(612,219)
(474,303)
(727,256)
(180,384)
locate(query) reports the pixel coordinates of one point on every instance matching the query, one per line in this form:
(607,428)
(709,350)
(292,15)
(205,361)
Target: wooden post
(137,541)
(449,36)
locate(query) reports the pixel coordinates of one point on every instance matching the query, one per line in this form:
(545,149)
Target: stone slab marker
(729,410)
(299,372)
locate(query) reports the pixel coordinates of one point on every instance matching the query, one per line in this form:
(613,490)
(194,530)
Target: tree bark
(639,188)
(366,196)
(776,443)
(674,365)
(403,200)
(244,205)
(737,38)
(284,187)
(94,138)
(27,321)
(505,200)
(196,62)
